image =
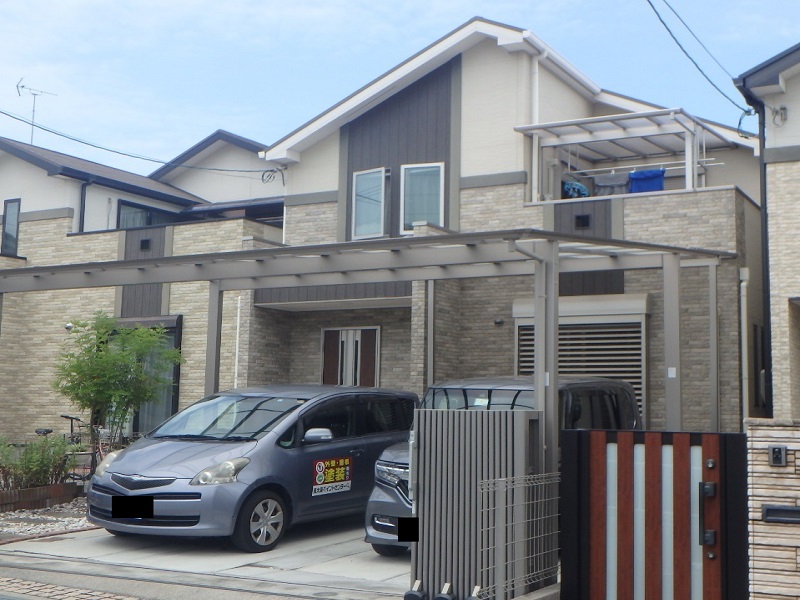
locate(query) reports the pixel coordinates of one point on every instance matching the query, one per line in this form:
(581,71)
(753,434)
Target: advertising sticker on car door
(332,476)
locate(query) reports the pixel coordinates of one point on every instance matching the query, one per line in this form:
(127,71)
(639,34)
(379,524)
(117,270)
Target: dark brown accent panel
(652,516)
(411,127)
(369,342)
(625,542)
(330,357)
(682,515)
(597,514)
(712,563)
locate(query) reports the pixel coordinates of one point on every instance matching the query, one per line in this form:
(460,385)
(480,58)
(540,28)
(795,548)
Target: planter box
(39,497)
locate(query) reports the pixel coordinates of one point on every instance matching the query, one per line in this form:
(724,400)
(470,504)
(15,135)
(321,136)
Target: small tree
(111,371)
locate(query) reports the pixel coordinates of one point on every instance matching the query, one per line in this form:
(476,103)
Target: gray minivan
(584,403)
(248,463)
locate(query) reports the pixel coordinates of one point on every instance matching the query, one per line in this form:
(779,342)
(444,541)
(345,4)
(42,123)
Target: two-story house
(773,89)
(490,129)
(487,129)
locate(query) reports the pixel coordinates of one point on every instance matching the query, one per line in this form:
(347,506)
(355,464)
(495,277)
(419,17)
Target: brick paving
(55,592)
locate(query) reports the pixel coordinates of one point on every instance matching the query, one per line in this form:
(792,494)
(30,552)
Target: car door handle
(357,451)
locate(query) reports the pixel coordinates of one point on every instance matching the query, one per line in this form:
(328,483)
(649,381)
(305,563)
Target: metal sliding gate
(653,516)
(479,526)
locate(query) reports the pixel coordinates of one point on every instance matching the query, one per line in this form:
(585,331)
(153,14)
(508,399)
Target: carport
(451,256)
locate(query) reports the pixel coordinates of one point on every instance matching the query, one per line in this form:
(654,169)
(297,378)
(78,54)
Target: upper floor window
(422,193)
(368,201)
(136,215)
(10,228)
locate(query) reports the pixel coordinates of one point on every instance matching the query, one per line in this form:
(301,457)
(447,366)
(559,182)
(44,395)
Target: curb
(36,536)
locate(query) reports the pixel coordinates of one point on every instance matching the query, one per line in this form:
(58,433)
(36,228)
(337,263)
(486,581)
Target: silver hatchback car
(249,463)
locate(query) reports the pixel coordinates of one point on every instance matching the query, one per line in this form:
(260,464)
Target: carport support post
(213,336)
(672,341)
(545,371)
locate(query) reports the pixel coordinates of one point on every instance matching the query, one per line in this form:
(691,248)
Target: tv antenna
(33,92)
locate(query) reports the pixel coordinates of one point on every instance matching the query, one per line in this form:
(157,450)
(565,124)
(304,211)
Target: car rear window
(478,399)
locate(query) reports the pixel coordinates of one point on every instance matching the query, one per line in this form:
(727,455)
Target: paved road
(315,561)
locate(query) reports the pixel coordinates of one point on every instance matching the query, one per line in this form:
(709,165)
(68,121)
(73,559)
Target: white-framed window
(422,195)
(368,200)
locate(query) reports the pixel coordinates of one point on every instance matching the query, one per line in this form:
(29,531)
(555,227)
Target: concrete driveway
(316,560)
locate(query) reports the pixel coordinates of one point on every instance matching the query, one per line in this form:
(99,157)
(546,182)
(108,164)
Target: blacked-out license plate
(131,507)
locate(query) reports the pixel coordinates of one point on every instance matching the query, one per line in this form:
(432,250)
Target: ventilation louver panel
(614,350)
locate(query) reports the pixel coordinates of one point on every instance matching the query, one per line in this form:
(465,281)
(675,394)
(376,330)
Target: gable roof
(769,76)
(427,60)
(56,163)
(219,137)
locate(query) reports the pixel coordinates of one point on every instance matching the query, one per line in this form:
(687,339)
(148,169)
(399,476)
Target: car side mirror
(317,434)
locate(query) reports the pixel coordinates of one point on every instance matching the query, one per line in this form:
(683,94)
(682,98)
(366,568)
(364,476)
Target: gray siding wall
(143,300)
(411,127)
(353,291)
(587,219)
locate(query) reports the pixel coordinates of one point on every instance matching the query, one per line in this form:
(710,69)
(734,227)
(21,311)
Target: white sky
(153,78)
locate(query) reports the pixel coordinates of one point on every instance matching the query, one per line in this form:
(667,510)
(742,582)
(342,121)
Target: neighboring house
(773,89)
(60,210)
(486,129)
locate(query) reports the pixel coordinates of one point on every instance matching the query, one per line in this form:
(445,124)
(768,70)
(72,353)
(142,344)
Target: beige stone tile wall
(498,208)
(311,224)
(32,326)
(191,300)
(784,223)
(774,547)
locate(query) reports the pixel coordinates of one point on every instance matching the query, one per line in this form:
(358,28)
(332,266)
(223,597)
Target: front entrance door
(350,356)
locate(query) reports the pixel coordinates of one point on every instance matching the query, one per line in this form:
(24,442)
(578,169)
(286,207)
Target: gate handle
(707,537)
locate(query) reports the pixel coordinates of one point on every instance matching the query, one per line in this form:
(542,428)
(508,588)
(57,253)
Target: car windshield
(477,399)
(228,417)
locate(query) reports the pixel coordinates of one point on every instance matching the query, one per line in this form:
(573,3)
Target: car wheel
(261,522)
(386,550)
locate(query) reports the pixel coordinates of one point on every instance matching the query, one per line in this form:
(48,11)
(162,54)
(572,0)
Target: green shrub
(39,463)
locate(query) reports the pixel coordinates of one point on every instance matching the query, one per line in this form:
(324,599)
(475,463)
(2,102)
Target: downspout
(82,209)
(744,278)
(760,109)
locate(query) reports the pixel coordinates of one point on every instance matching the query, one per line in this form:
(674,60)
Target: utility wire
(694,62)
(127,154)
(689,29)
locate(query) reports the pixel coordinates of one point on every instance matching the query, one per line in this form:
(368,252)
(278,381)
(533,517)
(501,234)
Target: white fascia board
(562,68)
(289,148)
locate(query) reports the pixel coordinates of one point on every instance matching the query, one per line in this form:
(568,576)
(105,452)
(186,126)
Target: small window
(368,198)
(422,192)
(135,215)
(10,228)
(583,221)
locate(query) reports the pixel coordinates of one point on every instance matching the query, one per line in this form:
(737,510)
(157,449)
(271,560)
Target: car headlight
(224,472)
(109,458)
(390,473)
